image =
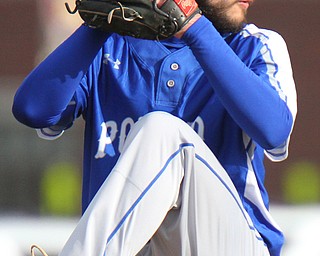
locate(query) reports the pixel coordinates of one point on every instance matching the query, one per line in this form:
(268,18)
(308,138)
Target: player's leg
(209,218)
(145,185)
(135,198)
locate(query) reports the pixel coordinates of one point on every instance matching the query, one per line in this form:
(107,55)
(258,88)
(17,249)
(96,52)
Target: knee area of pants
(155,120)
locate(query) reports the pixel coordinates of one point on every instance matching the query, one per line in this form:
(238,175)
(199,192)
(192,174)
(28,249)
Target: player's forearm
(46,92)
(253,103)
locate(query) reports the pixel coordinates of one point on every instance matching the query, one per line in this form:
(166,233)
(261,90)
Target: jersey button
(174,66)
(170,83)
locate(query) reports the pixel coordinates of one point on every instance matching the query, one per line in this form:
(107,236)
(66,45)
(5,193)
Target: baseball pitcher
(182,101)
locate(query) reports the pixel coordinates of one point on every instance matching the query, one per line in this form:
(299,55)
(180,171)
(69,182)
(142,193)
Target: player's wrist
(181,32)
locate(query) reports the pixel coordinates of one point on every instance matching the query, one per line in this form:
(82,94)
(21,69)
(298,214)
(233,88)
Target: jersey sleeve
(77,105)
(75,109)
(279,73)
(253,80)
(66,121)
(272,64)
(45,97)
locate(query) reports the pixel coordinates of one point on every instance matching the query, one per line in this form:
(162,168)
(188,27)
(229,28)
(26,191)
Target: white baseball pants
(167,195)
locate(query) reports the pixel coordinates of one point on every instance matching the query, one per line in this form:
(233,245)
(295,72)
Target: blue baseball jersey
(130,77)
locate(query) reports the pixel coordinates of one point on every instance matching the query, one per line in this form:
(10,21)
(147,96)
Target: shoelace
(34,246)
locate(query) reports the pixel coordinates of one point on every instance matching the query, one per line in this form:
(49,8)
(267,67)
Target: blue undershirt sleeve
(47,90)
(251,101)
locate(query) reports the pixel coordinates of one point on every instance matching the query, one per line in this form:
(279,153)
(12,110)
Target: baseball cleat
(34,246)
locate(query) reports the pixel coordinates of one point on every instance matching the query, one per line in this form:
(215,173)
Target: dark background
(24,157)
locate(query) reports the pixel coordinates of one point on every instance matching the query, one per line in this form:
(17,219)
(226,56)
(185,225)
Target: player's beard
(218,15)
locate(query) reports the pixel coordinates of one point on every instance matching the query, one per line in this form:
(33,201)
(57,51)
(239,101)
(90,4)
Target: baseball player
(176,133)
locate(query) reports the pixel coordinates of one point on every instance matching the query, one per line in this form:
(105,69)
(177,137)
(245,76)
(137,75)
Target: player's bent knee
(158,117)
(162,119)
(159,127)
(159,121)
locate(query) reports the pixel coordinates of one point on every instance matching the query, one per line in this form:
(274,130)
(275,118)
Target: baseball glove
(138,18)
